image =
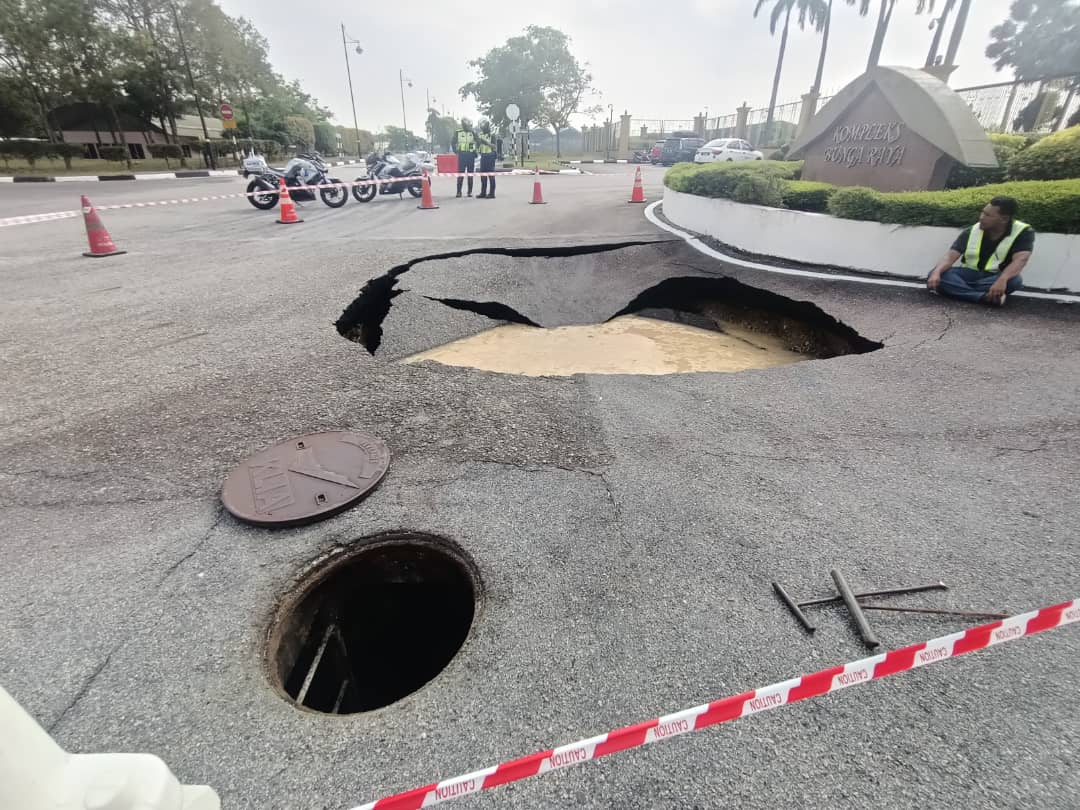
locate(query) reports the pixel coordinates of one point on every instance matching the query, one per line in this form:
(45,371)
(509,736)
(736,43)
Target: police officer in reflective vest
(489,146)
(465,149)
(992,254)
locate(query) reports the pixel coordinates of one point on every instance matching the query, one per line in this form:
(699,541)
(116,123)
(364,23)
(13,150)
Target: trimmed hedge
(118,153)
(1050,206)
(1053,157)
(720,179)
(807,195)
(1006,147)
(759,189)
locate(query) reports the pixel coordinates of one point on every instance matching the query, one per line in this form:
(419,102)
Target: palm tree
(885,11)
(814,11)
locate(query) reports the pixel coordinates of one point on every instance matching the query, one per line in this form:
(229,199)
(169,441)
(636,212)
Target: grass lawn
(50,167)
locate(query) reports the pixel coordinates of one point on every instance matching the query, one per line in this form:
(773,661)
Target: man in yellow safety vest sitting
(992,255)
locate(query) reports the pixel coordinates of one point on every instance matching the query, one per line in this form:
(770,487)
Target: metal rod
(971,614)
(793,607)
(826,600)
(868,637)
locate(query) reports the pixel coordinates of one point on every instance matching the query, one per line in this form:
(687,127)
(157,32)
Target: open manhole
(373,623)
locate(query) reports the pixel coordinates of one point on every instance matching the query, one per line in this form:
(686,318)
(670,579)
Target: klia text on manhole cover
(306,478)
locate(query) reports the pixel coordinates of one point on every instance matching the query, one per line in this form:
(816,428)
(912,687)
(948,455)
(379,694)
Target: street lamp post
(401,83)
(610,130)
(191,81)
(345,43)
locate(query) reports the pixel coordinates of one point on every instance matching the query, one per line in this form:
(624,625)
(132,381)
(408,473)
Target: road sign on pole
(228,118)
(513,112)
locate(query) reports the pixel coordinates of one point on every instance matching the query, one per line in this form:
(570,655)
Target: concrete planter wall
(848,244)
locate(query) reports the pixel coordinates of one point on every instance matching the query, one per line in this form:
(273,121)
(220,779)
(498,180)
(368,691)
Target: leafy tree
(325,138)
(402,140)
(349,143)
(1040,38)
(300,131)
(441,128)
(20,115)
(530,70)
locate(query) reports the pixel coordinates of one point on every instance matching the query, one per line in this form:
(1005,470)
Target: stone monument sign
(893,129)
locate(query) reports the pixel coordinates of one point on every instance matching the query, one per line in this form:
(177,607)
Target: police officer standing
(490,147)
(465,149)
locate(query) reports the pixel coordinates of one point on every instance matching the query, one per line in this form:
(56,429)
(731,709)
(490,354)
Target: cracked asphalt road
(626,528)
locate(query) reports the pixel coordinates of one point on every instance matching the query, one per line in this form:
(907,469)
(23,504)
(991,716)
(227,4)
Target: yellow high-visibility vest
(994,263)
(465,141)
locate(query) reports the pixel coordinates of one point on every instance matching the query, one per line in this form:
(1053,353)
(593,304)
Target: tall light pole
(191,81)
(401,83)
(345,43)
(610,129)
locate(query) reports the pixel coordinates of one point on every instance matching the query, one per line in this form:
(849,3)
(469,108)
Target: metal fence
(1044,105)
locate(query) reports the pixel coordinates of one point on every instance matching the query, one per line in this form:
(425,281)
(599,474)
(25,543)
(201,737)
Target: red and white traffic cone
(638,195)
(101,244)
(288,207)
(538,193)
(427,202)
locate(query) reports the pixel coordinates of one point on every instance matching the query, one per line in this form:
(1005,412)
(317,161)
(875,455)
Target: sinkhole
(682,324)
(372,623)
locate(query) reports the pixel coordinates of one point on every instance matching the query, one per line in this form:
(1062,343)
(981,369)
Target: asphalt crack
(84,688)
(219,514)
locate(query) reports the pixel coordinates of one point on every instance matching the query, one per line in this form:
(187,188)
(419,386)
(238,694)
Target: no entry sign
(226,112)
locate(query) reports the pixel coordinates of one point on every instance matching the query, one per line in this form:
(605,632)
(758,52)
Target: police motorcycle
(302,170)
(398,176)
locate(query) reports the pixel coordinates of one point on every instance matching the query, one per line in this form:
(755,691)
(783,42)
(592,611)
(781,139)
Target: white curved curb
(698,245)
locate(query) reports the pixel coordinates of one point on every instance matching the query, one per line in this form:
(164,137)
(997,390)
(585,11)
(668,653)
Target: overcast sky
(654,59)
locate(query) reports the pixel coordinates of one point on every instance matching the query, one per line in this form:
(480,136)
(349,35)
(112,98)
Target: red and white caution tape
(348,184)
(780,694)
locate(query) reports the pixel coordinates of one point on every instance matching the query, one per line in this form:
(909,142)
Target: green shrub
(720,179)
(117,153)
(166,151)
(759,189)
(1053,157)
(807,195)
(856,202)
(67,151)
(28,150)
(1051,206)
(1006,147)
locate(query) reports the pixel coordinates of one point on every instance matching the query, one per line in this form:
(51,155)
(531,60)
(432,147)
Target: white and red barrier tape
(780,694)
(28,219)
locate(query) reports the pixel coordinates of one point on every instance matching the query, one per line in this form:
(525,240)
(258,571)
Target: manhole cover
(306,478)
(372,624)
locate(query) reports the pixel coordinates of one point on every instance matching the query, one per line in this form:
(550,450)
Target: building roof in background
(86,116)
(189,126)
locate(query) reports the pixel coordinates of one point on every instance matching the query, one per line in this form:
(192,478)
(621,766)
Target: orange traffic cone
(101,244)
(638,195)
(288,207)
(427,203)
(538,194)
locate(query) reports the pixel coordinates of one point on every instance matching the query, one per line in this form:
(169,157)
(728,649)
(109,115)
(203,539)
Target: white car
(727,149)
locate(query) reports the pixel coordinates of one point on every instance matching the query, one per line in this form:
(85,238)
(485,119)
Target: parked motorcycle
(302,170)
(640,156)
(389,168)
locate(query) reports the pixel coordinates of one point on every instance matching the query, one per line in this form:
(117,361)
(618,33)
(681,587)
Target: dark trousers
(487,164)
(466,163)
